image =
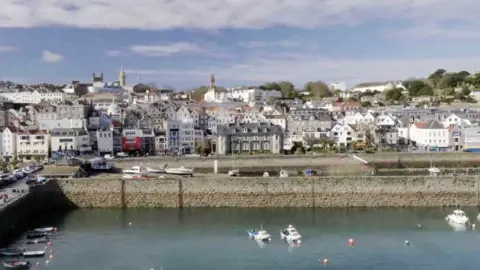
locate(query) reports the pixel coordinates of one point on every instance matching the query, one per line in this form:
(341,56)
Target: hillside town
(108,118)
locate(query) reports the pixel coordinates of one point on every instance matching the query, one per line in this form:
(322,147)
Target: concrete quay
(216,191)
(333,162)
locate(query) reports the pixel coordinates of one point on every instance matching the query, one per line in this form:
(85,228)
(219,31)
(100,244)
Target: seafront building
(100,117)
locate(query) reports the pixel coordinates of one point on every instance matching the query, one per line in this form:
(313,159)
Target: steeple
(212,82)
(123,77)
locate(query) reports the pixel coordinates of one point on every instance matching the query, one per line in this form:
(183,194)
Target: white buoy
(407,243)
(47,262)
(473,226)
(130,224)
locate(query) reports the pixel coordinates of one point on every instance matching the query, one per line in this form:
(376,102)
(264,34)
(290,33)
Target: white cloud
(300,69)
(50,57)
(264,44)
(165,50)
(219,14)
(113,53)
(7,49)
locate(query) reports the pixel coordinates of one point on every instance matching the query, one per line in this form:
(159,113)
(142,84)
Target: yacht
(290,234)
(159,170)
(261,235)
(179,171)
(457,217)
(133,170)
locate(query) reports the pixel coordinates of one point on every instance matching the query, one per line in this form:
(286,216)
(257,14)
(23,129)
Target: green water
(216,239)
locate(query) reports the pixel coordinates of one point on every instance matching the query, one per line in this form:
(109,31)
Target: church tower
(212,82)
(123,77)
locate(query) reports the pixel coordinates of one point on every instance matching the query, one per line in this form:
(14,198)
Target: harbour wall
(24,211)
(219,191)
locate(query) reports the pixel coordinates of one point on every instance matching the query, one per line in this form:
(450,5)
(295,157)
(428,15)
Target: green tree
(448,80)
(287,89)
(449,92)
(394,94)
(418,88)
(366,104)
(318,89)
(198,93)
(466,91)
(272,86)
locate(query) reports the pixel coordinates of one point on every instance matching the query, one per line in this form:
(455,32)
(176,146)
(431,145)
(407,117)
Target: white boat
(457,217)
(133,170)
(109,157)
(36,253)
(234,172)
(179,171)
(159,170)
(44,230)
(261,235)
(458,227)
(134,176)
(290,234)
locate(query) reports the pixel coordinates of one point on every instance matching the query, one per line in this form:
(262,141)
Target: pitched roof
(432,124)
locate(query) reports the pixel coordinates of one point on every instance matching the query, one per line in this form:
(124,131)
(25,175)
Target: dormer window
(264,130)
(244,130)
(255,130)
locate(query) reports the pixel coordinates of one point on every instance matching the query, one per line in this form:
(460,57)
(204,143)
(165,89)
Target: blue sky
(181,42)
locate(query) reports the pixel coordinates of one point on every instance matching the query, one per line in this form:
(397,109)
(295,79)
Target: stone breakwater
(272,192)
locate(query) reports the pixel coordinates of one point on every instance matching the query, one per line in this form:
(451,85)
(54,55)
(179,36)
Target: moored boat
(16,264)
(457,217)
(261,235)
(38,241)
(34,253)
(179,171)
(157,170)
(44,230)
(35,235)
(11,252)
(290,234)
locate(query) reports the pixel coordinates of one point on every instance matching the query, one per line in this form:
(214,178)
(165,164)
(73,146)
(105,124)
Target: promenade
(13,196)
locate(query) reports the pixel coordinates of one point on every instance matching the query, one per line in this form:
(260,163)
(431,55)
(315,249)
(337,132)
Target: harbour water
(202,239)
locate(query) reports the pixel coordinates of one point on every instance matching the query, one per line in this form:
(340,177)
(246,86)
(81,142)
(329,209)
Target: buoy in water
(407,243)
(351,242)
(47,262)
(37,264)
(325,261)
(49,244)
(51,257)
(130,224)
(55,229)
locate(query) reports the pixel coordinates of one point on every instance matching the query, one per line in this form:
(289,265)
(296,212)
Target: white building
(70,139)
(344,134)
(252,94)
(379,86)
(454,120)
(385,121)
(32,145)
(104,141)
(430,135)
(179,135)
(32,96)
(9,143)
(48,124)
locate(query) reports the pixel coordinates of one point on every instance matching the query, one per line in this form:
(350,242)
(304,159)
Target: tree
(366,104)
(394,94)
(318,89)
(272,86)
(436,76)
(418,88)
(287,89)
(311,141)
(466,91)
(448,80)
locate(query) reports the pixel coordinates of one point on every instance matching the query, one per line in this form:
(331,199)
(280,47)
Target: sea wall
(219,191)
(22,212)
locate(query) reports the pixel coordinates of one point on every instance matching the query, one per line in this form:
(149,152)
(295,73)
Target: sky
(180,43)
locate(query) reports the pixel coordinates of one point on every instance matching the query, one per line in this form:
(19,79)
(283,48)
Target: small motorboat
(44,230)
(261,235)
(11,252)
(133,170)
(290,234)
(35,235)
(159,170)
(34,253)
(179,171)
(457,217)
(16,264)
(234,172)
(38,241)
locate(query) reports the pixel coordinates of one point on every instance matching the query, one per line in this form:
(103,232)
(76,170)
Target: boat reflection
(292,245)
(261,244)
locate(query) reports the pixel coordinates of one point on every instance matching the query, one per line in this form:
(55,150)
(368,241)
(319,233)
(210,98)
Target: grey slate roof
(251,129)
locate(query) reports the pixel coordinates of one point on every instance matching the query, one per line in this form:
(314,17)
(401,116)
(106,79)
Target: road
(20,184)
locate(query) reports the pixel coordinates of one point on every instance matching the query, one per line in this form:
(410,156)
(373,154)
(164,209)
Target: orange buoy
(325,261)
